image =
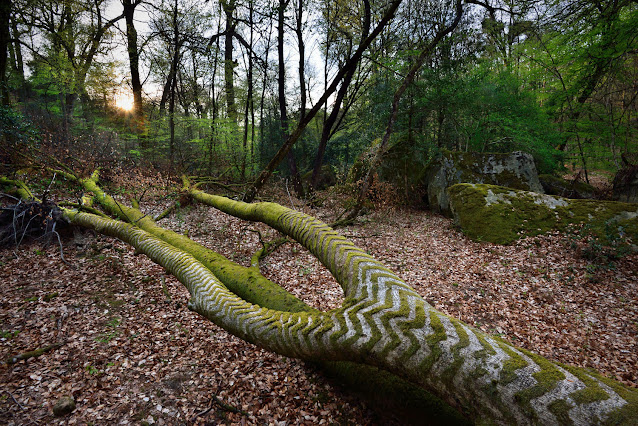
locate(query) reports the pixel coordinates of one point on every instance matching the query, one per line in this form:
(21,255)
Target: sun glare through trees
(124,101)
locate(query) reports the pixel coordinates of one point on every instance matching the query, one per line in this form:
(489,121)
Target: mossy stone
(503,215)
(63,406)
(513,170)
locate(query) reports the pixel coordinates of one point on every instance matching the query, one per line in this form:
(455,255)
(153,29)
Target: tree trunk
(283,114)
(229,65)
(5,35)
(382,323)
(134,60)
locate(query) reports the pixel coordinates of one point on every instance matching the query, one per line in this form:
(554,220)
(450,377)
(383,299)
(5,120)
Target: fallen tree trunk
(384,323)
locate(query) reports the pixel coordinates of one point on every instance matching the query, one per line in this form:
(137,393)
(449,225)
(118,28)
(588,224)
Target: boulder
(502,215)
(574,189)
(64,406)
(514,170)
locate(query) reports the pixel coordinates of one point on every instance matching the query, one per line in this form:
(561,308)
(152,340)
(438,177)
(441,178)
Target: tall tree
(134,63)
(5,22)
(329,125)
(281,84)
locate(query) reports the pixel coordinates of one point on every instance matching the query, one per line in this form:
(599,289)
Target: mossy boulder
(503,215)
(513,170)
(574,189)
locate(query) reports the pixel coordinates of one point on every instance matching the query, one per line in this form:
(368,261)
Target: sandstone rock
(514,170)
(502,215)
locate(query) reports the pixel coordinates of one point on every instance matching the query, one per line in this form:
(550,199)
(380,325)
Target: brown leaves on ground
(133,353)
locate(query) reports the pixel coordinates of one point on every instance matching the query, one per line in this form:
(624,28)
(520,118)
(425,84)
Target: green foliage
(16,129)
(603,246)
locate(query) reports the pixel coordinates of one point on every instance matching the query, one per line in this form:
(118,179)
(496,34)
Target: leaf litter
(132,353)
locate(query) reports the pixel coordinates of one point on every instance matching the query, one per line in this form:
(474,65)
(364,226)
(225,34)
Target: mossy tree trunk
(382,322)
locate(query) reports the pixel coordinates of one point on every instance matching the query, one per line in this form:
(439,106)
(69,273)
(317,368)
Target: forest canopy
(215,88)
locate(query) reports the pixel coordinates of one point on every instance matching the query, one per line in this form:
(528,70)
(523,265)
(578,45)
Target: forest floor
(132,353)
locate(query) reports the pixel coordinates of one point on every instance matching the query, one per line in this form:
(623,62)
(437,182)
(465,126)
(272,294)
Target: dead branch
(34,353)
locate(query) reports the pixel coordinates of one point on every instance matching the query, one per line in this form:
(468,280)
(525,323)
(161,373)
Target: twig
(14,399)
(46,191)
(4,194)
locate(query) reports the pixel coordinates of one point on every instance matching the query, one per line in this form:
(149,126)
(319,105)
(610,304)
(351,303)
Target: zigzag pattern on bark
(386,323)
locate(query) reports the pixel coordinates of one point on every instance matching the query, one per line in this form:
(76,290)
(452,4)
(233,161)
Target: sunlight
(124,101)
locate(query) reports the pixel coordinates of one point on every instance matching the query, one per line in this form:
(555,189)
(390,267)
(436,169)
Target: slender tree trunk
(249,95)
(134,60)
(283,114)
(19,61)
(229,65)
(5,34)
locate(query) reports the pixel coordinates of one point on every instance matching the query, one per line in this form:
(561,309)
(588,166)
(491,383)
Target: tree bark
(5,39)
(383,323)
(134,61)
(283,113)
(229,7)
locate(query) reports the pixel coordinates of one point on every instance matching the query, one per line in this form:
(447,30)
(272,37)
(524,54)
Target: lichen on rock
(514,170)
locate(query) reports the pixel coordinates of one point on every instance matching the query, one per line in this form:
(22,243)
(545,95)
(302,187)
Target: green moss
(502,215)
(560,408)
(592,393)
(432,342)
(418,322)
(625,415)
(511,365)
(464,341)
(547,378)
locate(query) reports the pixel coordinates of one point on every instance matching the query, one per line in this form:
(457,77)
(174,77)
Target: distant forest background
(215,87)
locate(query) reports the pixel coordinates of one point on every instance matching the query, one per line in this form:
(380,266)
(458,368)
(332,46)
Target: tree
(382,322)
(442,30)
(292,138)
(74,34)
(330,123)
(5,13)
(134,63)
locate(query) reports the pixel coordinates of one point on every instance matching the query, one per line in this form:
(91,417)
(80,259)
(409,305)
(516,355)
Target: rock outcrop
(514,170)
(502,215)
